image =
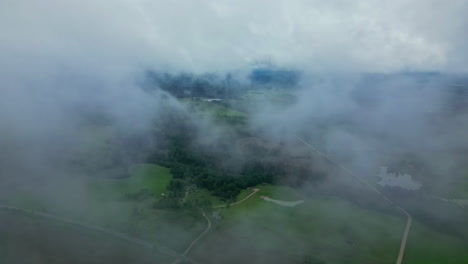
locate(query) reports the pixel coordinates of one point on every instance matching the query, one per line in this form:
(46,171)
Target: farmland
(320,227)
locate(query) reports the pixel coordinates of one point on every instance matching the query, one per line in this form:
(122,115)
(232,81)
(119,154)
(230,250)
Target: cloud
(59,57)
(57,54)
(116,37)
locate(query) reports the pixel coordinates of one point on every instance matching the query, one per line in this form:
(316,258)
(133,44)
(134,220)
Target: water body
(283,203)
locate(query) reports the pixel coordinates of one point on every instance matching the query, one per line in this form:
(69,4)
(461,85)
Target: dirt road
(209,225)
(200,236)
(462,203)
(178,260)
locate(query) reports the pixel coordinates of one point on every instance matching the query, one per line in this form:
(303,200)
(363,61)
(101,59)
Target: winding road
(200,236)
(209,225)
(178,260)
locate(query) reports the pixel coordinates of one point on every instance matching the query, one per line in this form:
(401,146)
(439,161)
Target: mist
(378,85)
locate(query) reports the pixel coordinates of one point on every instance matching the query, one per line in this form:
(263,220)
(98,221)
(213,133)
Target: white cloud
(115,36)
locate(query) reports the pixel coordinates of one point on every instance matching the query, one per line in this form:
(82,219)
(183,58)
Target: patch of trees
(215,167)
(204,170)
(208,164)
(191,85)
(167,202)
(219,86)
(221,184)
(176,185)
(173,201)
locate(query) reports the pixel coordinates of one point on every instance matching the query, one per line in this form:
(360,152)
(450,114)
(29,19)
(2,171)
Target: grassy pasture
(99,202)
(426,246)
(154,178)
(330,229)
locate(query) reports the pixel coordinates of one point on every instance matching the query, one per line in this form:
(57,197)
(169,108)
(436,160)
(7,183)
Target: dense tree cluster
(191,85)
(204,171)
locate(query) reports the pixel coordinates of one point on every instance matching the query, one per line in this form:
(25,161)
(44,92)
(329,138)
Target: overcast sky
(56,53)
(119,37)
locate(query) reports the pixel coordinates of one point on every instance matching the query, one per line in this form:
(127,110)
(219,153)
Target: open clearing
(153,178)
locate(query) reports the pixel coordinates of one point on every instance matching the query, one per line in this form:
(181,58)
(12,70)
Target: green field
(426,246)
(100,202)
(321,224)
(329,229)
(96,200)
(171,228)
(322,230)
(153,178)
(461,188)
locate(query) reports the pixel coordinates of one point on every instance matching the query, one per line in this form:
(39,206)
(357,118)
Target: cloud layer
(115,37)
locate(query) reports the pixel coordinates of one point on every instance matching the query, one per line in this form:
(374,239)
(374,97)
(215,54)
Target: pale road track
(454,201)
(224,205)
(409,218)
(209,224)
(122,236)
(196,239)
(185,197)
(200,236)
(228,108)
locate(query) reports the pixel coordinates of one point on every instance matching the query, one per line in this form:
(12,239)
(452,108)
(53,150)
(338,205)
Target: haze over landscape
(316,132)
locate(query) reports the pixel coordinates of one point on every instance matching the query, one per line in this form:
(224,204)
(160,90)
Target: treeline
(220,86)
(224,185)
